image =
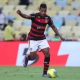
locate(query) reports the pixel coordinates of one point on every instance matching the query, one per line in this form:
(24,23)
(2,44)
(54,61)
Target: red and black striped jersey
(38,26)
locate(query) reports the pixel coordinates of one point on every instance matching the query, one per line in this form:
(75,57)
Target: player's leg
(25,58)
(46,60)
(31,56)
(25,61)
(31,52)
(44,47)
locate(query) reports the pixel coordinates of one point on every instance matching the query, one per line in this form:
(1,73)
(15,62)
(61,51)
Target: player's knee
(32,56)
(47,54)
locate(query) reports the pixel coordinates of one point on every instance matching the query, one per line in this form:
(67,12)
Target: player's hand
(62,39)
(18,11)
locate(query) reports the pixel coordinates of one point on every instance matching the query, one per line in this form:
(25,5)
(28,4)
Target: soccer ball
(52,73)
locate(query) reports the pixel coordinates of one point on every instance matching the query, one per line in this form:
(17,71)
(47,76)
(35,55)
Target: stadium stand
(1,35)
(69,10)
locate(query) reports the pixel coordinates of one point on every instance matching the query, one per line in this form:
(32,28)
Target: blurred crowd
(64,13)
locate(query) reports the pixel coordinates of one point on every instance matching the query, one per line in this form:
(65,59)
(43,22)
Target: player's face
(43,11)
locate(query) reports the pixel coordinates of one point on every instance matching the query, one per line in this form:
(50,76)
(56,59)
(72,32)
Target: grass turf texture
(35,73)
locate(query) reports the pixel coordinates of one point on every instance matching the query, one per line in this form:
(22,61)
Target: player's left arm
(54,28)
(56,31)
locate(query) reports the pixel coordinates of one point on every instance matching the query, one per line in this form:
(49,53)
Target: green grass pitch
(35,73)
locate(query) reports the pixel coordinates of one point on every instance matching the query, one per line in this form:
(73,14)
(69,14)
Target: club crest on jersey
(38,16)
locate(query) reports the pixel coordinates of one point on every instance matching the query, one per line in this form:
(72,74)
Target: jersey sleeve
(50,22)
(32,16)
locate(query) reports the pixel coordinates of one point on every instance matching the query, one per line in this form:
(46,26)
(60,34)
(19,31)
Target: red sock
(46,65)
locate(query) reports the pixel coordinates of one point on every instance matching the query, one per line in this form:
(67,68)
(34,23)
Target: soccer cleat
(24,65)
(45,75)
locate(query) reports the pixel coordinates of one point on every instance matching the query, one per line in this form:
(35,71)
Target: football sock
(46,65)
(25,61)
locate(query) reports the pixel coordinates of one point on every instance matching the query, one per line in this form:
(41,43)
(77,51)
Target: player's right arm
(23,15)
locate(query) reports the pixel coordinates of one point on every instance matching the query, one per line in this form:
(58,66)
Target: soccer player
(36,37)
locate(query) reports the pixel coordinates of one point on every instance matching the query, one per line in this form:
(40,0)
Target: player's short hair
(43,5)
